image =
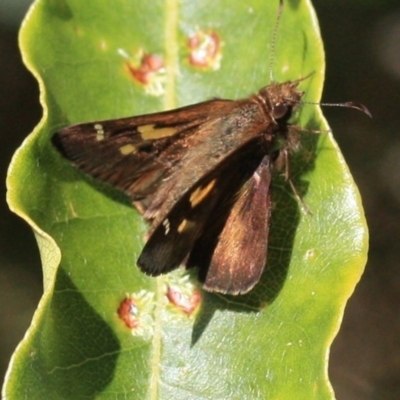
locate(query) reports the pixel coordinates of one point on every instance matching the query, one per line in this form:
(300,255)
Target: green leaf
(272,343)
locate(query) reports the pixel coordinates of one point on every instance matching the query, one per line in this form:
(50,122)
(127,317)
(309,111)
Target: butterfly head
(281,99)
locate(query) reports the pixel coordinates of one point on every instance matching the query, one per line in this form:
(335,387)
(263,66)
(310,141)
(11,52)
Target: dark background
(362,42)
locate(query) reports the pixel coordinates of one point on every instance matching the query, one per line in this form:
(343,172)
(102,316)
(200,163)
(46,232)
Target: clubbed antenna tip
(358,106)
(348,104)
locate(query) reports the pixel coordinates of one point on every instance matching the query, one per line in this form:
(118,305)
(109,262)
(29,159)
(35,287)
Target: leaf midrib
(172,66)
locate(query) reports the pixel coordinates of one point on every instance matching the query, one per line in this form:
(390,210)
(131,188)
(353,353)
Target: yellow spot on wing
(185,225)
(149,132)
(127,149)
(201,193)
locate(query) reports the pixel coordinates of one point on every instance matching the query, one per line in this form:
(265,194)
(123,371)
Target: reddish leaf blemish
(128,312)
(187,303)
(205,50)
(149,66)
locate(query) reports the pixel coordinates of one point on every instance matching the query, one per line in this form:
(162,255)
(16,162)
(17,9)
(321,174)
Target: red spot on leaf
(149,66)
(186,303)
(205,50)
(128,312)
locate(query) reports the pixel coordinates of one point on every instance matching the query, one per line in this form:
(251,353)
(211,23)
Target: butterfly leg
(283,160)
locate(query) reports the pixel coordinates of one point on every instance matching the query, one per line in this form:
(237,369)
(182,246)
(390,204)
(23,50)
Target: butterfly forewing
(144,156)
(135,154)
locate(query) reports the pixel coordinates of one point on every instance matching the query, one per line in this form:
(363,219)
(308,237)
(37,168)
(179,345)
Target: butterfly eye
(280,111)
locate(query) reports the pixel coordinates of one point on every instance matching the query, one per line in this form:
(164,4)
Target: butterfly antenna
(273,41)
(347,104)
(350,104)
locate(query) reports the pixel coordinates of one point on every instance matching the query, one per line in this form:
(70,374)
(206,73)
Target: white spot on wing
(99,132)
(166,225)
